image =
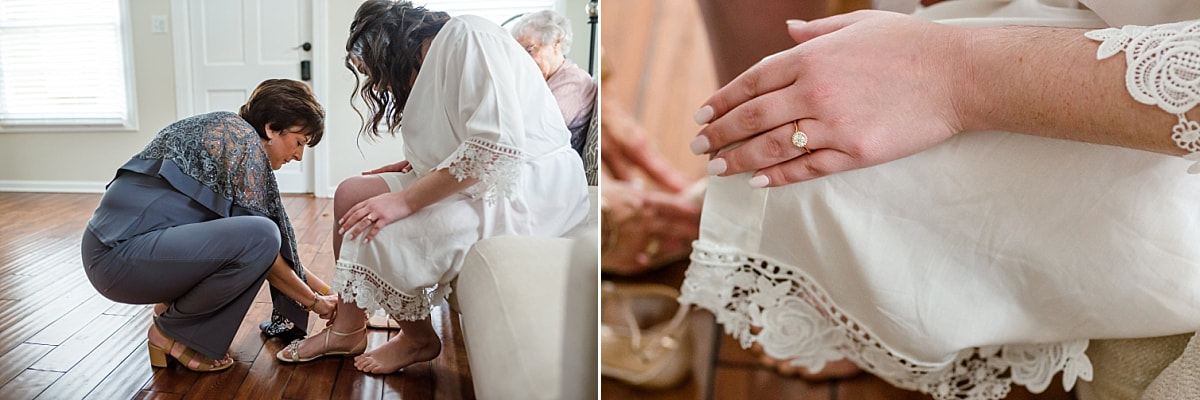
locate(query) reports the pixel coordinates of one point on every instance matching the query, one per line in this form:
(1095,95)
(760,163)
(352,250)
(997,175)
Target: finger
(815,165)
(659,170)
(362,225)
(764,77)
(759,114)
(803,32)
(374,230)
(618,168)
(770,148)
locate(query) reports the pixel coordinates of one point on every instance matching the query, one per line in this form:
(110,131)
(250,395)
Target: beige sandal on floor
(158,357)
(644,340)
(291,353)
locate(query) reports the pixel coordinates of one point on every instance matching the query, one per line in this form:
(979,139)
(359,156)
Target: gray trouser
(209,272)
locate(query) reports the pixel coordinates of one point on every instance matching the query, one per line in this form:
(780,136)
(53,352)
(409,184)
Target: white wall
(87,161)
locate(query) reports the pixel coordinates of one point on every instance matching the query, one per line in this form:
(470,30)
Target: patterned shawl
(218,160)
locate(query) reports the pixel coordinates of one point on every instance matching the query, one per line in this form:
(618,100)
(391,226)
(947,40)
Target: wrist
(313,305)
(324,290)
(970,91)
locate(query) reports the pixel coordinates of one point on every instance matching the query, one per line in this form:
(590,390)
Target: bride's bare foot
(416,342)
(198,363)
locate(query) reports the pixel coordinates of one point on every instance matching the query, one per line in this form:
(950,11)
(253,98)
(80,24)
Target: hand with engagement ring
(369,216)
(818,109)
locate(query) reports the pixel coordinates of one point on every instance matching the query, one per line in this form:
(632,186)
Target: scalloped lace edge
(1161,70)
(800,322)
(498,168)
(362,286)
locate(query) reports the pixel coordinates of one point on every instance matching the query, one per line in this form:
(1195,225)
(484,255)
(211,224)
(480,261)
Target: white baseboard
(52,186)
(87,187)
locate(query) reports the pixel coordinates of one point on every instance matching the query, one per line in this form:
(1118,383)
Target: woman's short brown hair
(386,36)
(285,103)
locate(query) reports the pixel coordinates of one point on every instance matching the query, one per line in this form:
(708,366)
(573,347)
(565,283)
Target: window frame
(129,123)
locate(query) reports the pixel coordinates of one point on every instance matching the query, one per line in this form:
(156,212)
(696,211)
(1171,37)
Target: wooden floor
(59,339)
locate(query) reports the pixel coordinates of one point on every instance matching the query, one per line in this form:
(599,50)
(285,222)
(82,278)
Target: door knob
(306,46)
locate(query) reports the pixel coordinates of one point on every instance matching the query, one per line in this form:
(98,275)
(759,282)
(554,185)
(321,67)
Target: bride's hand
(370,215)
(865,88)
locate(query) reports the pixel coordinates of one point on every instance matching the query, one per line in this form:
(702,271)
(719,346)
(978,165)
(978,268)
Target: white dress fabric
(986,261)
(479,108)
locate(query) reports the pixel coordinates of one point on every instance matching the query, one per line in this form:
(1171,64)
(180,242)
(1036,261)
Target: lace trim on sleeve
(498,167)
(1162,69)
(801,323)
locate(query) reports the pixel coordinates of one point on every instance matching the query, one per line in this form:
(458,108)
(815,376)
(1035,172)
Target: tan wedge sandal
(291,353)
(158,358)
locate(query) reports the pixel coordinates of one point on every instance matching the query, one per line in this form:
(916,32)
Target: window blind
(63,64)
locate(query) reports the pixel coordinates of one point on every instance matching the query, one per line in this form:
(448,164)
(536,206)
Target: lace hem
(360,285)
(497,167)
(800,322)
(1162,69)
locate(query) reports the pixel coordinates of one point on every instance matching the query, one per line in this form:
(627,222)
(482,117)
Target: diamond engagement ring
(799,138)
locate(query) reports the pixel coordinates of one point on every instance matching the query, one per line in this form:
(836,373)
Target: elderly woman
(547,37)
(485,154)
(195,221)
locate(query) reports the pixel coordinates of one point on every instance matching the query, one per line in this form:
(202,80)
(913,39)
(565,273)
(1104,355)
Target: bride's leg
(350,192)
(416,342)
(349,323)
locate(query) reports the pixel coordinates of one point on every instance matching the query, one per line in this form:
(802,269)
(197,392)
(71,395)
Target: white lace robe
(480,108)
(989,260)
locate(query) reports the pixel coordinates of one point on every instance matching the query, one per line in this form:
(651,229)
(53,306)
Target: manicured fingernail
(341,231)
(796,22)
(699,145)
(717,166)
(703,115)
(759,181)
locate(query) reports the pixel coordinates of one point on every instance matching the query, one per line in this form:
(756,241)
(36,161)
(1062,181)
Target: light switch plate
(158,24)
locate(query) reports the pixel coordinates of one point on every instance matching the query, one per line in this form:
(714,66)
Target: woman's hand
(326,306)
(644,226)
(627,152)
(401,167)
(866,87)
(373,214)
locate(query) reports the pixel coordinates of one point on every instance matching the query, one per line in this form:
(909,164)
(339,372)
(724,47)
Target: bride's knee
(356,189)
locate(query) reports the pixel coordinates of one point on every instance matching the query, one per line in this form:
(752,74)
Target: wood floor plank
(72,322)
(148,395)
(314,380)
(79,345)
(354,385)
(173,378)
(31,315)
(101,361)
(20,358)
(29,384)
(219,385)
(125,381)
(266,378)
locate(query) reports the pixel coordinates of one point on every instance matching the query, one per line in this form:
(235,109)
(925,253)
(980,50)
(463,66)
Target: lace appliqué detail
(498,168)
(800,322)
(1162,69)
(358,284)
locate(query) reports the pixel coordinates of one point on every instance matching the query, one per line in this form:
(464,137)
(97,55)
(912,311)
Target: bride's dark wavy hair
(386,36)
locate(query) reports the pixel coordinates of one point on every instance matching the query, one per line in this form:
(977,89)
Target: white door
(235,45)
